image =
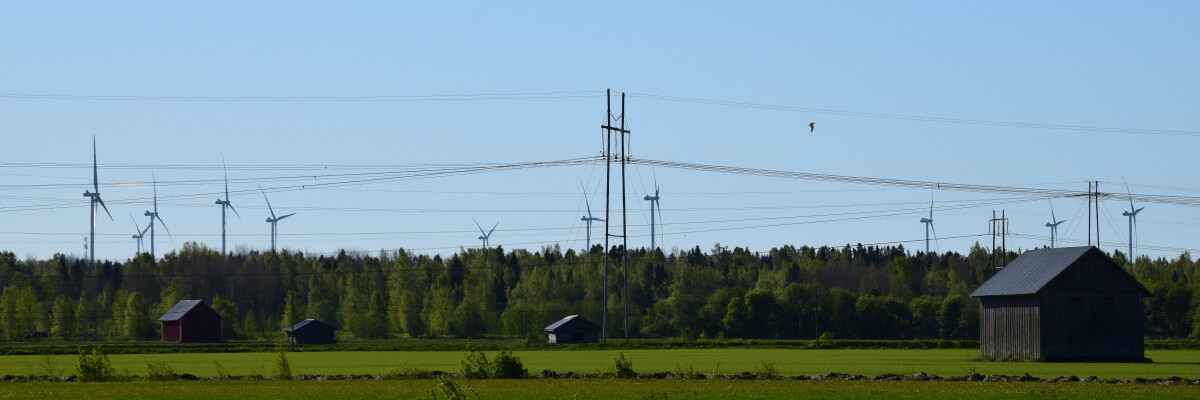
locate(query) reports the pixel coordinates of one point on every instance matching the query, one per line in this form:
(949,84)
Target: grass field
(954,362)
(596,389)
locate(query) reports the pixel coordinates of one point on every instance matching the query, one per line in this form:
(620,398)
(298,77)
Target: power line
(322,99)
(1010,124)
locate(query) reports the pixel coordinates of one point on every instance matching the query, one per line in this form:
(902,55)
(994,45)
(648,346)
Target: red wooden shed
(191,321)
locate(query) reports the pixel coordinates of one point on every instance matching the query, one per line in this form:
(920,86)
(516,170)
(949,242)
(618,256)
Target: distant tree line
(854,292)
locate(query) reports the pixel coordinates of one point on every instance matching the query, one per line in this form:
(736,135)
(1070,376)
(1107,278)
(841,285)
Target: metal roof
(567,319)
(300,325)
(179,309)
(1030,272)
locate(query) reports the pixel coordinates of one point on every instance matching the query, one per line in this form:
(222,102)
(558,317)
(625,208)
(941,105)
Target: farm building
(1067,303)
(191,321)
(573,329)
(310,331)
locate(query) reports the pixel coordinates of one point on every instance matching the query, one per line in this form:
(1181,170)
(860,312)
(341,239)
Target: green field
(789,362)
(597,389)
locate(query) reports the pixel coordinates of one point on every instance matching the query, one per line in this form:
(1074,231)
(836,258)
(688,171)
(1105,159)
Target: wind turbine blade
(95,174)
(480,227)
(585,199)
(285,216)
(489,234)
(936,242)
(1052,217)
(1138,211)
(154,182)
(268,202)
(1128,193)
(164,225)
(234,209)
(226,178)
(135,225)
(105,208)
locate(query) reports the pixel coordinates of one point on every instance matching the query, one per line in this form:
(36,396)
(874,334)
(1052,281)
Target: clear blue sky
(1096,64)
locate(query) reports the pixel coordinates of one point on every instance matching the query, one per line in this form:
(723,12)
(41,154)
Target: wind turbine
(140,234)
(226,204)
(485,236)
(653,205)
(95,198)
(273,220)
(1053,225)
(1132,214)
(586,219)
(154,215)
(929,224)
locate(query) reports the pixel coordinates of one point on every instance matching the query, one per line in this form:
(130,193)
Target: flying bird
(812,126)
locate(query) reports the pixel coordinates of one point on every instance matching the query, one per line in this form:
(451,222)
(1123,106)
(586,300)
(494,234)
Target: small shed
(1059,304)
(573,329)
(310,331)
(192,321)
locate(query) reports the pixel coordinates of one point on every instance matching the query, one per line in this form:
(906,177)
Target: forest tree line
(854,292)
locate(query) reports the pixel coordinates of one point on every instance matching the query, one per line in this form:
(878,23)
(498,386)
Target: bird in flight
(812,126)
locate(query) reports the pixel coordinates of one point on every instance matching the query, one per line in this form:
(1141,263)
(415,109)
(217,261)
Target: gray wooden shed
(1056,304)
(573,329)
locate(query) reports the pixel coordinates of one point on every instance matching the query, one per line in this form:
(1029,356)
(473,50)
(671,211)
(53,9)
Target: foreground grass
(595,389)
(789,362)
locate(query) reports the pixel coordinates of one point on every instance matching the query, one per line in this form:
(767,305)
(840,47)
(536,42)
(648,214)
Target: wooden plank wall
(1010,328)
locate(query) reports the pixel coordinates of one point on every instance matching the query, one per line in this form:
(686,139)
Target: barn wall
(1093,310)
(1093,325)
(170,331)
(1009,328)
(201,324)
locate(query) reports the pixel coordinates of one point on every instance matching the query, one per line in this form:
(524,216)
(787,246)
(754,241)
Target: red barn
(191,321)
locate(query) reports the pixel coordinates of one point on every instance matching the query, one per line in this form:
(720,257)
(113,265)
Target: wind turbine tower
(273,220)
(154,215)
(95,198)
(929,224)
(226,204)
(485,236)
(1132,214)
(1053,225)
(588,219)
(653,205)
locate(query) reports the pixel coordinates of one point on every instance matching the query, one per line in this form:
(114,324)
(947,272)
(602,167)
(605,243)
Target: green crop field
(954,362)
(597,389)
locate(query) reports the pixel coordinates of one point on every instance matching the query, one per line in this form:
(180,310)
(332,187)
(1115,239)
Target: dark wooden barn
(573,329)
(191,321)
(310,331)
(1059,304)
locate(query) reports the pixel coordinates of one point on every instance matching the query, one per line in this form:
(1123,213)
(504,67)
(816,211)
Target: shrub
(508,366)
(408,371)
(623,367)
(451,390)
(94,366)
(221,372)
(159,371)
(685,371)
(476,365)
(766,370)
(281,368)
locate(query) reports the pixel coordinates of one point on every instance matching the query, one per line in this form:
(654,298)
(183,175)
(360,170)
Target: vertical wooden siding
(1010,328)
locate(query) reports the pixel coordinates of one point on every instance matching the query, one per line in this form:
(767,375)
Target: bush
(476,365)
(159,371)
(94,366)
(451,390)
(508,366)
(408,371)
(505,366)
(685,371)
(766,370)
(623,367)
(281,368)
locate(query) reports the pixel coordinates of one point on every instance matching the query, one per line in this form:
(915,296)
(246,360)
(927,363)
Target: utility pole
(624,223)
(608,158)
(998,227)
(1089,217)
(1097,214)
